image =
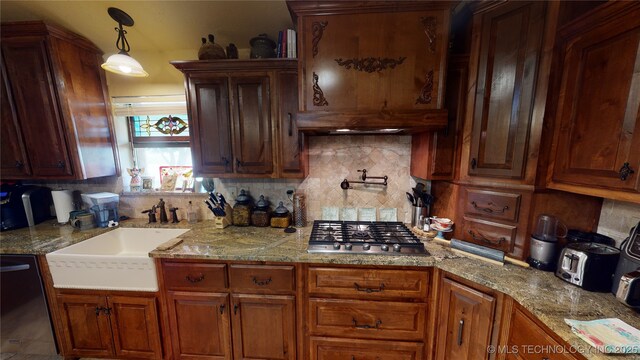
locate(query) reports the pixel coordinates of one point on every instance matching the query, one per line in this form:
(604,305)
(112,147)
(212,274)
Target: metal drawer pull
(489,210)
(106,311)
(222,309)
(460,327)
(235,309)
(368,290)
(376,326)
(261,282)
(625,171)
(195,279)
(98,309)
(19,164)
(482,238)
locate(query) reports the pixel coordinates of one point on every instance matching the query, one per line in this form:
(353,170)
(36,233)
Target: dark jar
(262,47)
(280,217)
(242,210)
(261,216)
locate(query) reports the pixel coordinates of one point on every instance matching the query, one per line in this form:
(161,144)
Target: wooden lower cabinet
(199,325)
(525,338)
(110,326)
(353,349)
(465,322)
(263,327)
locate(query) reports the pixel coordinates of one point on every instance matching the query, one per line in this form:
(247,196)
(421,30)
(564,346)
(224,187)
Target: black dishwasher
(24,315)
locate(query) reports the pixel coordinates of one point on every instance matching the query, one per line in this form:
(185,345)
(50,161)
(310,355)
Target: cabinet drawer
(194,277)
(492,204)
(525,334)
(367,319)
(349,349)
(489,234)
(261,278)
(369,283)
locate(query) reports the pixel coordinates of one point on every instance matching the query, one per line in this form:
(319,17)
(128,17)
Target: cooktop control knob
(366,246)
(384,247)
(396,247)
(336,246)
(348,246)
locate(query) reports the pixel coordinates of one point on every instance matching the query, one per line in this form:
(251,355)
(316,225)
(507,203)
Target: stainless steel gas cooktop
(392,238)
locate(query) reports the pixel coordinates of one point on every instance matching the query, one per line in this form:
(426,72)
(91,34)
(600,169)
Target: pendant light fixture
(121,63)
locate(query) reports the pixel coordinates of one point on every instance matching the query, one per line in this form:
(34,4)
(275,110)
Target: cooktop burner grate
(392,238)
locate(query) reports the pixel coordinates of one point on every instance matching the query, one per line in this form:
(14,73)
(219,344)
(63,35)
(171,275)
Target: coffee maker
(544,242)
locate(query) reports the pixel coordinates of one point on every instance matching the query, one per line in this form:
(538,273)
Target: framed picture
(176,178)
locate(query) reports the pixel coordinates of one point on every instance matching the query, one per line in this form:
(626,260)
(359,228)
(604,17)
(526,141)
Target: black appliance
(24,205)
(26,326)
(359,237)
(626,281)
(588,265)
(574,236)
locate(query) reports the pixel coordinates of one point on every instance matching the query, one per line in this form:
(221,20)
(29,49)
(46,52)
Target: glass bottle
(192,217)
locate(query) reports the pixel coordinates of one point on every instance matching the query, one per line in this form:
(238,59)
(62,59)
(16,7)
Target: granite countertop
(547,297)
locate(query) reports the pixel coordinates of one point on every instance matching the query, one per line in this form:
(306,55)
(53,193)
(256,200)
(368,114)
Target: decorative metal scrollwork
(318,95)
(429,24)
(370,64)
(625,171)
(482,238)
(317,29)
(427,88)
(489,210)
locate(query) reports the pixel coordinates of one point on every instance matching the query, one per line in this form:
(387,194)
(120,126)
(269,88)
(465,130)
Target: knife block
(221,222)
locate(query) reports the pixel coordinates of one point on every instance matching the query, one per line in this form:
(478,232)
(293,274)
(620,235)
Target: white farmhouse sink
(116,260)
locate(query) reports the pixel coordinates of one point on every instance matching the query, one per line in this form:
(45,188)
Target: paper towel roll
(63,203)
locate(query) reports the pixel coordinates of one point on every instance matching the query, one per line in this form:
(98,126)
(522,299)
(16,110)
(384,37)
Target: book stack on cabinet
(287,44)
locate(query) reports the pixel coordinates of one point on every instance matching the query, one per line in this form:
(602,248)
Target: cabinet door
(292,157)
(465,322)
(199,325)
(251,112)
(13,157)
(598,106)
(263,327)
(435,155)
(210,124)
(373,61)
(32,85)
(85,325)
(508,39)
(135,327)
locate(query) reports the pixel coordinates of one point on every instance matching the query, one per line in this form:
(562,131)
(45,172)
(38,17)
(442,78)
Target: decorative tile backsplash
(617,218)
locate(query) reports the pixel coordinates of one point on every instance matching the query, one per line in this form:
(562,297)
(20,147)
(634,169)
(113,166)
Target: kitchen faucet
(163,212)
(152,214)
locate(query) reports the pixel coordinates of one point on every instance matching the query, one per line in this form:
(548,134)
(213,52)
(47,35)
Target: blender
(544,242)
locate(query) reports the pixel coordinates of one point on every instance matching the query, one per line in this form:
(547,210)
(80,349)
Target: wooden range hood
(371,67)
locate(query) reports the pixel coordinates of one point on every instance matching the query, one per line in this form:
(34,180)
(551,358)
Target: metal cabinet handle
(19,164)
(290,124)
(482,238)
(489,210)
(235,309)
(193,279)
(368,290)
(366,326)
(61,164)
(98,310)
(625,171)
(261,282)
(474,163)
(460,327)
(106,311)
(238,162)
(222,309)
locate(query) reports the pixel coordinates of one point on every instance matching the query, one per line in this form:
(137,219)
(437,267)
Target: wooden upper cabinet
(239,111)
(60,103)
(210,118)
(505,55)
(251,114)
(465,322)
(597,141)
(13,157)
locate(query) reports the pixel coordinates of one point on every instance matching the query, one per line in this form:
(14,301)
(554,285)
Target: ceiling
(163,31)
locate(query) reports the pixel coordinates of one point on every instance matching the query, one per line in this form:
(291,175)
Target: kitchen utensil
(416,213)
(543,255)
(484,253)
(411,199)
(590,266)
(626,280)
(547,228)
